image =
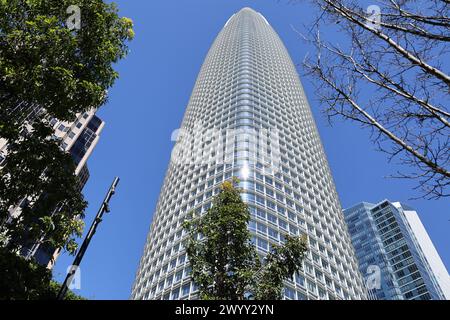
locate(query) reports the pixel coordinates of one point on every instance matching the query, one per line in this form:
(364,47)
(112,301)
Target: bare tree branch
(381,77)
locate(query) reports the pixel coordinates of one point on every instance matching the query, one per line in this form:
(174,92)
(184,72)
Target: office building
(396,253)
(248,117)
(78,138)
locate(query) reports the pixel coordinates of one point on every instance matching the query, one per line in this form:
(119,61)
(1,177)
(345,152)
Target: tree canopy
(64,71)
(50,69)
(225,264)
(31,280)
(45,62)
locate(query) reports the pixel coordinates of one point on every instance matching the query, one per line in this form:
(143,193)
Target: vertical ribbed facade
(248,117)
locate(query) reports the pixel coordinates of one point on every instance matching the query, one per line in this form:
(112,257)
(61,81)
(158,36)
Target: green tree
(47,64)
(44,62)
(39,172)
(280,264)
(32,281)
(225,264)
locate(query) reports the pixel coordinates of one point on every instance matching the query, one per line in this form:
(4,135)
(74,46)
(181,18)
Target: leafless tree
(388,75)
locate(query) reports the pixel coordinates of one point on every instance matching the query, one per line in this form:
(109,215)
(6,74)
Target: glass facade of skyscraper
(248,117)
(390,240)
(370,251)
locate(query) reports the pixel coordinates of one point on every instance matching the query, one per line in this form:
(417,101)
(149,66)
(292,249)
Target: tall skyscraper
(248,117)
(78,138)
(394,249)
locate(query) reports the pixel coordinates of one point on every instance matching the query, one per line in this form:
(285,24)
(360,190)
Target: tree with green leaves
(31,280)
(46,62)
(49,69)
(52,205)
(280,264)
(225,264)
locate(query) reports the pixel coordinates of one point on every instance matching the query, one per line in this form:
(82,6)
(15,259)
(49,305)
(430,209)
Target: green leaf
(225,265)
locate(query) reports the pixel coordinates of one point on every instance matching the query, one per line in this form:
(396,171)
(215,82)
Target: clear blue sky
(147,103)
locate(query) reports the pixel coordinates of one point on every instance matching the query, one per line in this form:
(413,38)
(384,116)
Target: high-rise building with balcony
(395,251)
(248,117)
(78,138)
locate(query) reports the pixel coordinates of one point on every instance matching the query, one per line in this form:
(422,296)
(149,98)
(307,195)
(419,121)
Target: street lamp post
(98,218)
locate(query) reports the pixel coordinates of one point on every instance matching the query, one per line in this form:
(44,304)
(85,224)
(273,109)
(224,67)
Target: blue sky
(147,103)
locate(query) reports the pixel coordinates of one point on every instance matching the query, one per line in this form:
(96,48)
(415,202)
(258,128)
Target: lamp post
(98,218)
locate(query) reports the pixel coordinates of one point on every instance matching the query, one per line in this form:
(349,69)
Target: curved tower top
(248,116)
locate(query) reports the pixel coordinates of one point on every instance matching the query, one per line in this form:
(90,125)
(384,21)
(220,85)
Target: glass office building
(389,239)
(248,117)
